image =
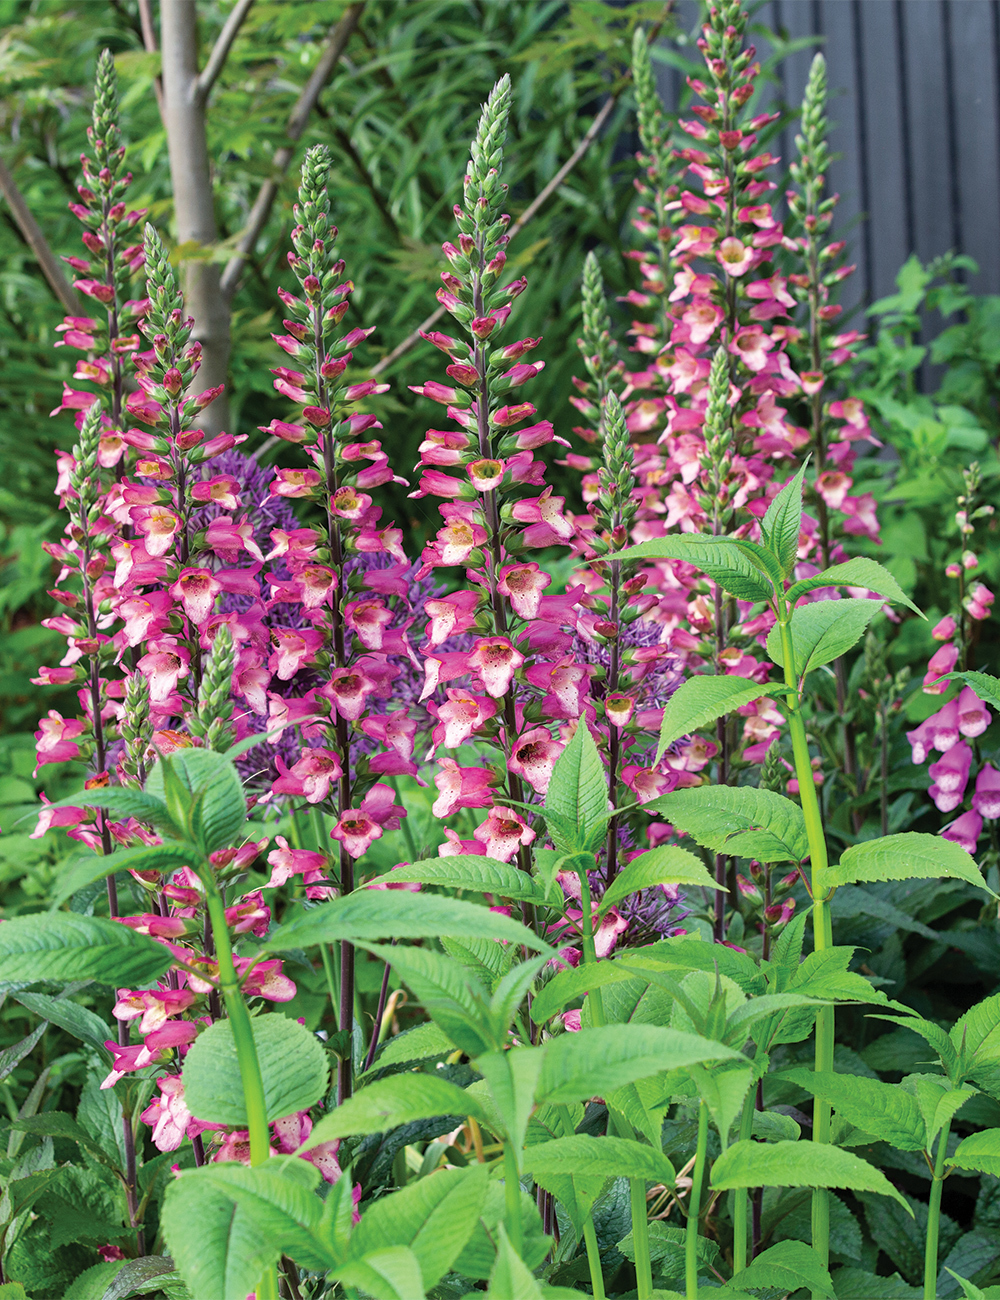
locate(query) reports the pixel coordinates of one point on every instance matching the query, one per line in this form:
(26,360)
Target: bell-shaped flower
(296,647)
(310,777)
(286,862)
(533,756)
(496,661)
(965,831)
(450,615)
(348,690)
(942,661)
(503,832)
(950,775)
(944,629)
(986,800)
(196,590)
(461,787)
(266,980)
(357,830)
(973,715)
(523,585)
(943,727)
(459,717)
(154,1006)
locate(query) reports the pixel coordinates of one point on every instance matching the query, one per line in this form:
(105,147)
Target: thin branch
(402,348)
(297,120)
(152,47)
(221,48)
(36,241)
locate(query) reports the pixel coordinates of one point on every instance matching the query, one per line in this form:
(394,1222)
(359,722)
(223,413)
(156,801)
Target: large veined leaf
(869,1104)
(577,796)
(823,630)
(985,686)
(123,802)
(292,1065)
(788,1266)
(225,1223)
(468,871)
(372,914)
(700,700)
(735,567)
(859,572)
(605,1157)
(64,946)
(84,871)
(595,1061)
(433,1217)
(797,1164)
(667,864)
(981,1152)
(417,1044)
(137,1276)
(574,981)
(219,815)
(478,1256)
(451,995)
(976,1035)
(738,820)
(781,524)
(910,855)
(392,1273)
(387,1103)
(69,1015)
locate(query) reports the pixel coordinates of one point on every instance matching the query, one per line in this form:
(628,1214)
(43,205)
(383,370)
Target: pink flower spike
(310,777)
(523,585)
(942,727)
(951,772)
(496,661)
(942,661)
(986,800)
(533,756)
(965,831)
(503,832)
(973,715)
(55,739)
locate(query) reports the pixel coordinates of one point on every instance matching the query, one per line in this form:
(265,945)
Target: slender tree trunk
(184,115)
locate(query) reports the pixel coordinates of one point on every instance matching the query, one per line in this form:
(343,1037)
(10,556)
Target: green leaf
(91,1284)
(222,809)
(510,1278)
(700,700)
(723,1090)
(468,871)
(870,1105)
(76,1020)
(12,1291)
(225,1224)
(372,914)
(780,526)
(822,631)
(593,1062)
(859,572)
(292,1065)
(64,946)
(11,1057)
(824,974)
(416,1044)
(911,855)
(389,1274)
(797,1164)
(450,993)
(478,1256)
(433,1217)
(723,559)
(985,686)
(134,1273)
(788,1266)
(981,1152)
(124,803)
(738,820)
(574,981)
(144,857)
(604,1157)
(388,1103)
(666,1250)
(969,1289)
(54,1123)
(578,788)
(666,865)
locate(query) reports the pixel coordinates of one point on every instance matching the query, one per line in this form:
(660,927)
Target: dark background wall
(915,107)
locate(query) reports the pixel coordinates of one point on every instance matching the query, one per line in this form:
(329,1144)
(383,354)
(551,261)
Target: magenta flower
(459,717)
(941,661)
(496,661)
(533,756)
(461,787)
(266,980)
(357,831)
(973,715)
(986,800)
(296,647)
(196,590)
(286,862)
(943,727)
(965,831)
(944,629)
(348,690)
(310,777)
(155,1006)
(523,585)
(55,739)
(169,1117)
(950,775)
(503,832)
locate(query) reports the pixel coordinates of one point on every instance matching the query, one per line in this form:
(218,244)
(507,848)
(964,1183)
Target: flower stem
(934,1217)
(694,1206)
(742,1194)
(593,1258)
(246,1053)
(512,1196)
(822,928)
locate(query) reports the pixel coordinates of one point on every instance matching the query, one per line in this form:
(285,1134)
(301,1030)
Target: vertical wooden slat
(974,75)
(928,153)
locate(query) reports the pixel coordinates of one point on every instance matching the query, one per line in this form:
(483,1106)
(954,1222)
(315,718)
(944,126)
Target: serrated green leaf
(292,1065)
(720,558)
(573,982)
(416,1044)
(738,820)
(876,1107)
(578,788)
(911,855)
(666,865)
(781,524)
(144,857)
(604,1157)
(859,572)
(700,700)
(788,1266)
(370,914)
(969,1289)
(723,1090)
(212,776)
(76,1020)
(389,1274)
(822,631)
(468,871)
(388,1103)
(135,1273)
(451,995)
(64,946)
(980,1151)
(511,1279)
(124,803)
(54,1123)
(985,686)
(797,1164)
(225,1224)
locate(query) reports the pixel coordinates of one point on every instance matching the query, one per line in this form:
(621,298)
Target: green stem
(822,927)
(637,1186)
(246,1052)
(742,1194)
(934,1217)
(512,1196)
(694,1207)
(593,1258)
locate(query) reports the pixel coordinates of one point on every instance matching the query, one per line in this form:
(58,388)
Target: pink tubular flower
(310,777)
(55,739)
(155,1006)
(950,775)
(979,602)
(941,661)
(986,800)
(348,690)
(450,615)
(965,831)
(533,756)
(266,980)
(523,585)
(942,727)
(196,590)
(169,1117)
(973,715)
(921,741)
(944,629)
(461,787)
(734,256)
(296,647)
(285,862)
(503,832)
(223,489)
(496,661)
(357,831)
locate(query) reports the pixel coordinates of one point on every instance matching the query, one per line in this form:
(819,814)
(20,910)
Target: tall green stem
(934,1217)
(742,1194)
(512,1196)
(246,1052)
(822,927)
(694,1206)
(637,1186)
(593,1258)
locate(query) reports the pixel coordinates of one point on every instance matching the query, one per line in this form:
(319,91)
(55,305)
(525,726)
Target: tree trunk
(184,115)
